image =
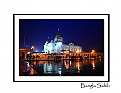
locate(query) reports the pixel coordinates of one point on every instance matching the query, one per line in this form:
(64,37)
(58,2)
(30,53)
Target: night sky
(87,33)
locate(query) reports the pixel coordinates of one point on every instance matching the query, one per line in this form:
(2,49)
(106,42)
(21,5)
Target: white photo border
(17,78)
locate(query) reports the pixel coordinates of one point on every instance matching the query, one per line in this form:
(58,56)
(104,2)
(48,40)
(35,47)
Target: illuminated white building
(56,46)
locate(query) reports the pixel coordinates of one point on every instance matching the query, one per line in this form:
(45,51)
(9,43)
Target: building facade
(57,46)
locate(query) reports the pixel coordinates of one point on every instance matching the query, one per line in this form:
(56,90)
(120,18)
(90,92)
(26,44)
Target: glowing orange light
(93,51)
(67,52)
(77,51)
(31,70)
(67,66)
(78,65)
(32,47)
(93,64)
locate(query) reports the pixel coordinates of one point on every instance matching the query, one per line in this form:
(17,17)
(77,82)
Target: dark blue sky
(88,33)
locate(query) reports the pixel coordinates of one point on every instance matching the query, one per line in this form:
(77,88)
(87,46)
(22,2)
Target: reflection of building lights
(70,63)
(31,70)
(45,67)
(78,67)
(34,62)
(28,66)
(93,64)
(65,63)
(67,66)
(49,68)
(59,71)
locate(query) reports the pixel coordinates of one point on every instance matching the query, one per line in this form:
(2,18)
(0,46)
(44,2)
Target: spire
(58,32)
(58,36)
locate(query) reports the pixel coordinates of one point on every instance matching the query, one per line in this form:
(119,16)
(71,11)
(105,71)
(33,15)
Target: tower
(58,37)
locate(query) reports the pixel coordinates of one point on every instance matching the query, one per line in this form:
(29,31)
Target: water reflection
(93,65)
(31,70)
(70,63)
(66,68)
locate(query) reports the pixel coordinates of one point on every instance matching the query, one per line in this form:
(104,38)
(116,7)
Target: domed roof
(58,35)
